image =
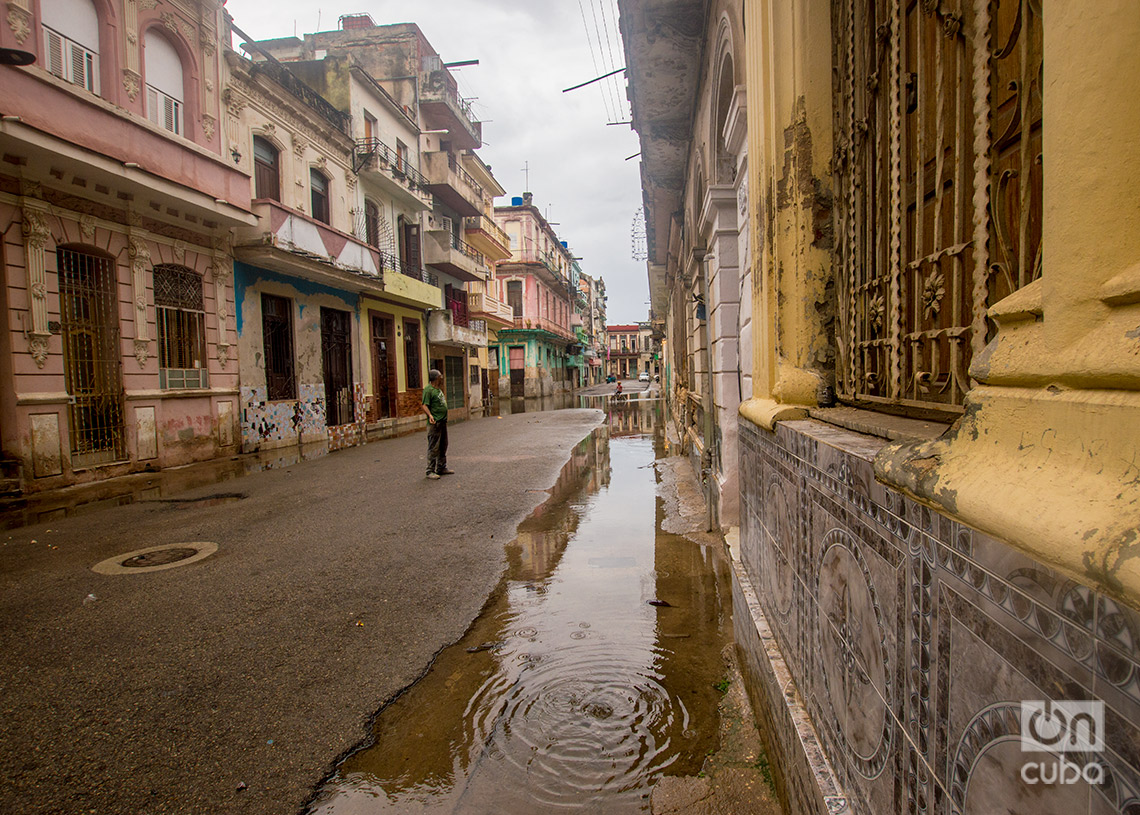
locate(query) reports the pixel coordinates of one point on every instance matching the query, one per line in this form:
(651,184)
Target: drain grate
(156,558)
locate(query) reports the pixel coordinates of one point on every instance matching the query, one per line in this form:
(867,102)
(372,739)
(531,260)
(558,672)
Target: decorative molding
(208,41)
(38,348)
(222,269)
(299,147)
(131,83)
(269,129)
(35,227)
(147,5)
(179,251)
(37,233)
(87,227)
(139,253)
(20,21)
(142,351)
(31,189)
(208,124)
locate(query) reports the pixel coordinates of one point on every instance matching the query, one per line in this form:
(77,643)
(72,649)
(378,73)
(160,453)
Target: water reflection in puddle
(570,691)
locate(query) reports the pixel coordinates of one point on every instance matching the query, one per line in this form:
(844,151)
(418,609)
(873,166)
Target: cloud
(528,52)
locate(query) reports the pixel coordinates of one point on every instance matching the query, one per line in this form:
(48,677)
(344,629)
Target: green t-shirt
(433,398)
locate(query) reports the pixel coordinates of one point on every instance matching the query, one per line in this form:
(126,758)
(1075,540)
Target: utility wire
(606,65)
(594,59)
(613,60)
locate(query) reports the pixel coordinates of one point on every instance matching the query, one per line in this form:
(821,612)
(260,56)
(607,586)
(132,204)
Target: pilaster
(37,234)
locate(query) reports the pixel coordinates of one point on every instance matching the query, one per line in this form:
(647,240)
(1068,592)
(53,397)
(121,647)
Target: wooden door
(383,367)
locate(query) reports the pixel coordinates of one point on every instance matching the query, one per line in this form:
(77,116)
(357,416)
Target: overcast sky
(528,52)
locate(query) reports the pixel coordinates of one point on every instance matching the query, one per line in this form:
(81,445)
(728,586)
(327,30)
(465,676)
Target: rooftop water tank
(516,201)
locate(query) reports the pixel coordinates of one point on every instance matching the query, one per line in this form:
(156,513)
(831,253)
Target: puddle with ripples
(570,691)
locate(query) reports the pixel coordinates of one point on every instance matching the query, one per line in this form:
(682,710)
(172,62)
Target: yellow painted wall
(368,304)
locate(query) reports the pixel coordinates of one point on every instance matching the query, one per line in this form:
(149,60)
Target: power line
(594,59)
(610,47)
(606,66)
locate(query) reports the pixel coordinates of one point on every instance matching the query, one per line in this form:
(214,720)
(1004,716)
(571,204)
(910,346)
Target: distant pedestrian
(435,406)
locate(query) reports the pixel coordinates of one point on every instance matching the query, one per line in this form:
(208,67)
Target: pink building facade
(535,282)
(117,330)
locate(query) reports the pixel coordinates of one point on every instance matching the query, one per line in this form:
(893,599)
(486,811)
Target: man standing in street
(435,406)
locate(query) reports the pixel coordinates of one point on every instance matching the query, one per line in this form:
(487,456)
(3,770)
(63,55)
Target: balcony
(287,80)
(444,109)
(292,243)
(446,252)
(392,172)
(409,284)
(543,324)
(451,184)
(443,330)
(487,236)
(496,313)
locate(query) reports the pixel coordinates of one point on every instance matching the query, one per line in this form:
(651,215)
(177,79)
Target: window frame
(413,373)
(281,389)
(188,321)
(262,169)
(319,197)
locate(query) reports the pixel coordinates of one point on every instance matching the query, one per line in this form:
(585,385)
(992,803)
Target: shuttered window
(71,61)
(71,41)
(164,88)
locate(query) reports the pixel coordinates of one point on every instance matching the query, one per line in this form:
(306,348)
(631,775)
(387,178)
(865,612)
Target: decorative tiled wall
(265,423)
(911,640)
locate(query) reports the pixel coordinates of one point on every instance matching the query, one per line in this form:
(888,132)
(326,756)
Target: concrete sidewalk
(232,684)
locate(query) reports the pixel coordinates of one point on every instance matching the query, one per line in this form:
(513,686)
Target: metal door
(89,324)
(336,353)
(383,367)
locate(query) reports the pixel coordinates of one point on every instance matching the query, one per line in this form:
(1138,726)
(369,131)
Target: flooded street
(592,672)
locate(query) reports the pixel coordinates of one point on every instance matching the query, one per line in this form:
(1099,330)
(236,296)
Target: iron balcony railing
(467,249)
(482,222)
(394,264)
(283,77)
(367,151)
(469,179)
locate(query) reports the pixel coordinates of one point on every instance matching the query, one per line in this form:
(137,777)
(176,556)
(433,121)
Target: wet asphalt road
(232,685)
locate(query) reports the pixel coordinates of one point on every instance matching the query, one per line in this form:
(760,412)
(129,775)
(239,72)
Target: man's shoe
(433,476)
(446,471)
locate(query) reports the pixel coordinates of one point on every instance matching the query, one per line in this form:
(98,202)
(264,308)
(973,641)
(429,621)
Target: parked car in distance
(643,376)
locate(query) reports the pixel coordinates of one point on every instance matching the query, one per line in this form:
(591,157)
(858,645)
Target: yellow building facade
(939,418)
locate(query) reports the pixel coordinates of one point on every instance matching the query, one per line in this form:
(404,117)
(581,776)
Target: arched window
(180,309)
(266,175)
(164,88)
(372,223)
(319,193)
(71,41)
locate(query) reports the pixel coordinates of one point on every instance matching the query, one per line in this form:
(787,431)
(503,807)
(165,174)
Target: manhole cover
(159,558)
(156,558)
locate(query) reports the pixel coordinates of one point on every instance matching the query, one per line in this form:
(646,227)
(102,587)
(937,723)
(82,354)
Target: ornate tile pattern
(264,422)
(912,640)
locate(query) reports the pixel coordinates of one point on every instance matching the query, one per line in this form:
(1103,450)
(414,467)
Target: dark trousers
(437,446)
